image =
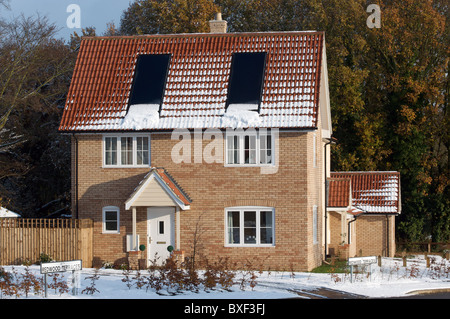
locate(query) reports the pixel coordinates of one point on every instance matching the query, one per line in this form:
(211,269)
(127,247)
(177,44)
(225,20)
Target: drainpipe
(331,140)
(348,225)
(76,176)
(387,235)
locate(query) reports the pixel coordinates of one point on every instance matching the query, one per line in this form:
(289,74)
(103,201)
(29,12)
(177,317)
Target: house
(202,146)
(362,207)
(6,213)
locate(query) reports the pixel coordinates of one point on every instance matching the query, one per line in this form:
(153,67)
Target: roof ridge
(187,35)
(174,182)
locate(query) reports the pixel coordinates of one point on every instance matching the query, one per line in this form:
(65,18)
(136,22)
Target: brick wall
(292,191)
(371,237)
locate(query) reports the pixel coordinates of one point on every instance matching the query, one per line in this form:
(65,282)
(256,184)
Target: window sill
(249,165)
(249,245)
(126,166)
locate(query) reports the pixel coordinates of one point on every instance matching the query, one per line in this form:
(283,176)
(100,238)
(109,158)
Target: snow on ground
(389,280)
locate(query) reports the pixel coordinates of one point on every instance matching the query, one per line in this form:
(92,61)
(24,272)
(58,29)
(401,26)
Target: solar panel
(246,78)
(149,79)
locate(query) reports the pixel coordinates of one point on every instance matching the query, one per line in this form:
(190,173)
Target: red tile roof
(339,192)
(170,183)
(196,88)
(373,192)
(173,185)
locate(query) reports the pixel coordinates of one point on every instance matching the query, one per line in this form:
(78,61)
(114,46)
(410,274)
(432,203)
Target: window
(149,79)
(129,151)
(161,228)
(142,151)
(315,226)
(249,226)
(111,151)
(110,218)
(246,78)
(126,150)
(249,148)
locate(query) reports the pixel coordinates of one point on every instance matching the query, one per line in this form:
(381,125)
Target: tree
(406,92)
(167,16)
(35,72)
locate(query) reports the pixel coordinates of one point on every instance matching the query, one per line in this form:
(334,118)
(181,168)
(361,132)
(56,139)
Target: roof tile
(374,192)
(196,88)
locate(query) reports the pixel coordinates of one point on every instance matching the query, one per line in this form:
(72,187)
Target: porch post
(134,227)
(177,229)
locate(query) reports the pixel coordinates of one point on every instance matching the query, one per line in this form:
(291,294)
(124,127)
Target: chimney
(218,25)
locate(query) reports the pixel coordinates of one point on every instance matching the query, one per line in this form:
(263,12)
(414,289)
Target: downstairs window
(250,226)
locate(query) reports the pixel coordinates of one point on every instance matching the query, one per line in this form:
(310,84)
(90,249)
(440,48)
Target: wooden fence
(24,239)
(423,247)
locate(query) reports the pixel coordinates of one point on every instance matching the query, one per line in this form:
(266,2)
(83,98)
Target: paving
(326,293)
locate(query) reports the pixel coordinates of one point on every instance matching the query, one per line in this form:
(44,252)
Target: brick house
(361,210)
(208,142)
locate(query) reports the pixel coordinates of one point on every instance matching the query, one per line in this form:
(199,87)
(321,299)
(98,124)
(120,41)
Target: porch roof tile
(374,192)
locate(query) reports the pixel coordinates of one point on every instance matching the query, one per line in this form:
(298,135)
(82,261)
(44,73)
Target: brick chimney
(218,25)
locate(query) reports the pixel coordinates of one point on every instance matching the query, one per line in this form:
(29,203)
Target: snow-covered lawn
(389,280)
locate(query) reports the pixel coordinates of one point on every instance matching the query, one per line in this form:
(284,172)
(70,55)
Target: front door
(160,233)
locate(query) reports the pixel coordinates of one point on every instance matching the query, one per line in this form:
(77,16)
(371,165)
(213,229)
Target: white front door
(160,233)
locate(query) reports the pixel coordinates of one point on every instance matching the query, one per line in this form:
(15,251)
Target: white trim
(132,199)
(119,157)
(315,225)
(241,209)
(240,133)
(110,209)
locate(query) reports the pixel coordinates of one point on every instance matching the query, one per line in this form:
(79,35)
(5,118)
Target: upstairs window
(126,151)
(249,148)
(149,79)
(246,78)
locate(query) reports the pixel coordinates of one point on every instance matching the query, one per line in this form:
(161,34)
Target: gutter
(76,175)
(331,140)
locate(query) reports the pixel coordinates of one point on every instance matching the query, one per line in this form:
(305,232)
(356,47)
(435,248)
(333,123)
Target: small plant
(7,285)
(140,280)
(45,258)
(58,284)
(90,290)
(413,271)
(108,265)
(30,282)
(248,276)
(127,280)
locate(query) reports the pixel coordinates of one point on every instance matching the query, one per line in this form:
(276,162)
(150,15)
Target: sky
(95,13)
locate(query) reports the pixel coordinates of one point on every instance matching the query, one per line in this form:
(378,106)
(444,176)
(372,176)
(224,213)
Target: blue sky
(95,13)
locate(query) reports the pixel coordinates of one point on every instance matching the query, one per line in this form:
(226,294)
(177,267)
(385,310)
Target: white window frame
(241,134)
(258,210)
(118,150)
(110,209)
(315,225)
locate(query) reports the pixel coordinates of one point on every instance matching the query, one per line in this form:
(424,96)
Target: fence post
(379,261)
(404,261)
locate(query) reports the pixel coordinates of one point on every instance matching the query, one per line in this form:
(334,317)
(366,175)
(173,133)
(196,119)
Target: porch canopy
(158,188)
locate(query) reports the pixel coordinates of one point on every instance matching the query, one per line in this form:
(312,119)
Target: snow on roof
(196,88)
(5,213)
(374,192)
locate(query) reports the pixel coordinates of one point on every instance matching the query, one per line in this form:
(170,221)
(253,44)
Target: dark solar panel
(149,79)
(246,78)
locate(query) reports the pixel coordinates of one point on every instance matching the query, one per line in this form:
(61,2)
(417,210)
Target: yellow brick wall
(292,191)
(372,239)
